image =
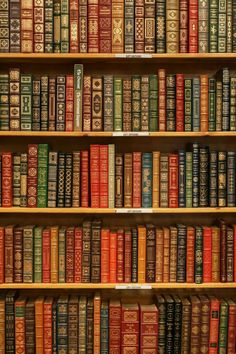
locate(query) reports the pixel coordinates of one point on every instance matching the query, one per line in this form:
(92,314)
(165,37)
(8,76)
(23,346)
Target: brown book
(117,26)
(27,31)
(144,103)
(39,324)
(86,252)
(142,254)
(9,242)
(156,179)
(159,254)
(97,103)
(87,100)
(18,255)
(127,104)
(195,323)
(186,328)
(190,254)
(173,253)
(139,26)
(215,254)
(96,252)
(150,254)
(128,180)
(119,191)
(162,99)
(166,255)
(204,103)
(149,14)
(70,254)
(137,179)
(73,323)
(172,26)
(205,325)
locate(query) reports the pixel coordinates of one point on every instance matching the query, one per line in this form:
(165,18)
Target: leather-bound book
(26,103)
(223,250)
(127,256)
(183,26)
(204,103)
(147,180)
(149,34)
(142,241)
(52,104)
(42,180)
(230,254)
(222,178)
(105,255)
(73,323)
(62,255)
(231,327)
(172,26)
(164,174)
(15,26)
(18,255)
(2,254)
(117,26)
(179,102)
(139,26)
(9,252)
(20,324)
(127,104)
(188,104)
(173,181)
(159,254)
(119,180)
(10,322)
(134,255)
(203,177)
(36,106)
(223,325)
(150,253)
(48,26)
(68,179)
(76,179)
(61,103)
(87,101)
(105,26)
(86,252)
(213,185)
(186,328)
(96,252)
(182,179)
(207,254)
(215,254)
(84,179)
(214,325)
(69,110)
(70,254)
(78,255)
(170,102)
(89,326)
(196,104)
(136,103)
(61,180)
(26,28)
(205,317)
(219,105)
(52,179)
(97,323)
(38,254)
(47,324)
(153,103)
(97,103)
(166,255)
(160,26)
(62,323)
(46,252)
(39,305)
(95,175)
(108,91)
(222,26)
(54,253)
(78,95)
(148,329)
(113,257)
(231,176)
(193,26)
(38,21)
(155,179)
(121,255)
(83,26)
(30,326)
(213,25)
(82,324)
(114,326)
(177,323)
(137,175)
(14,85)
(173,254)
(118,101)
(128,183)
(28,252)
(224,76)
(111,175)
(103,176)
(129,28)
(4,100)
(130,328)
(169,324)
(181,253)
(162,99)
(212,104)
(44,119)
(195,323)
(161,306)
(7,180)
(190,256)
(93,26)
(145,103)
(64,28)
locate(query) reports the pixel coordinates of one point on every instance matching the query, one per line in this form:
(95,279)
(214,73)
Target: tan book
(117,26)
(172,26)
(156,179)
(142,254)
(54,254)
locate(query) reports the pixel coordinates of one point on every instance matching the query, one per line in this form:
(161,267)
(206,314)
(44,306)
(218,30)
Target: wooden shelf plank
(70,286)
(116,211)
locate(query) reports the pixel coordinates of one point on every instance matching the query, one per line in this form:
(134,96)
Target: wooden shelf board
(127,286)
(116,211)
(110,134)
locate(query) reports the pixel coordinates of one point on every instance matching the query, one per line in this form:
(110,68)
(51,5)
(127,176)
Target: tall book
(78,93)
(139,26)
(105,24)
(193,26)
(38,26)
(27,30)
(172,26)
(93,26)
(15,26)
(129,27)
(117,26)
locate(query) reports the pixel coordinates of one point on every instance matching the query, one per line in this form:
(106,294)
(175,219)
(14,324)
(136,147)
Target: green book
(189,180)
(118,107)
(136,103)
(64,26)
(213,26)
(57,26)
(223,329)
(198,254)
(26,102)
(212,104)
(42,176)
(4,102)
(153,103)
(38,255)
(62,323)
(48,18)
(62,255)
(196,104)
(28,253)
(232,103)
(222,25)
(145,103)
(78,93)
(188,105)
(146,180)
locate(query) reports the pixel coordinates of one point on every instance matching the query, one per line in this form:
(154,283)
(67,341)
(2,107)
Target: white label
(130,134)
(133,55)
(133,286)
(134,211)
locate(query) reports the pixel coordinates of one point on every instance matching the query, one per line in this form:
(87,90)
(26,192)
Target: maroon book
(32,178)
(105,38)
(70,254)
(6,180)
(46,255)
(94,176)
(173,181)
(84,179)
(130,328)
(114,326)
(179,102)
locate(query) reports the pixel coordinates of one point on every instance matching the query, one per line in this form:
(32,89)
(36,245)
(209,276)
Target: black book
(30,327)
(61,181)
(231,178)
(177,324)
(89,336)
(68,180)
(170,314)
(195,175)
(204,177)
(182,179)
(222,171)
(10,322)
(134,255)
(62,324)
(213,180)
(181,253)
(161,305)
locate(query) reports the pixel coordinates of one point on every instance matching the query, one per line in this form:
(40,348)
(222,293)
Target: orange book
(120,256)
(207,254)
(156,179)
(142,233)
(190,254)
(47,325)
(105,255)
(39,324)
(20,325)
(2,324)
(204,103)
(159,254)
(166,255)
(97,323)
(2,245)
(54,254)
(215,254)
(113,256)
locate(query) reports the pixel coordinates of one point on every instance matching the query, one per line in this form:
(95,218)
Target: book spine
(105,25)
(27,30)
(20,325)
(127,256)
(173,181)
(68,180)
(139,26)
(54,254)
(137,178)
(113,257)
(130,319)
(103,178)
(82,323)
(160,26)
(86,252)
(166,255)
(46,255)
(226,100)
(136,103)
(118,116)
(196,104)
(121,256)
(222,26)
(61,180)
(78,255)
(15,26)
(14,79)
(62,255)
(69,110)
(28,249)
(219,105)
(146,180)
(153,103)
(188,87)
(84,179)
(96,323)
(48,26)
(2,253)
(193,26)
(203,177)
(42,192)
(207,254)
(4,102)
(134,255)
(87,100)
(60,103)
(111,175)
(38,252)
(141,254)
(204,113)
(164,174)
(30,326)
(97,103)
(181,253)
(114,327)
(229,29)
(105,255)
(117,26)
(229,254)
(231,327)
(186,319)
(108,90)
(203,25)
(129,26)
(119,181)
(18,255)
(179,102)
(47,325)
(170,103)
(214,326)
(149,34)
(104,327)
(232,104)
(150,254)
(16,179)
(83,26)
(52,104)
(52,179)
(159,255)
(9,251)
(223,326)
(93,26)
(189,180)
(213,19)
(169,324)
(127,104)
(172,26)
(74,26)
(78,94)
(36,106)
(38,26)
(7,182)
(26,102)
(70,255)
(195,172)
(234,27)
(57,26)
(44,103)
(182,179)
(76,182)
(95,175)
(231,175)
(162,99)
(212,102)
(190,255)
(156,179)
(173,254)
(196,319)
(65,26)
(128,183)
(222,175)
(62,323)
(213,187)
(215,254)
(32,178)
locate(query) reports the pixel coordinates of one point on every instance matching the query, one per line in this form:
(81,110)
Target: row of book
(92,253)
(162,102)
(80,324)
(118,26)
(103,178)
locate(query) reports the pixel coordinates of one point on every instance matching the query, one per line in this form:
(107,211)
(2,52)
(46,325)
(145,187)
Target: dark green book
(62,324)
(28,254)
(161,305)
(223,327)
(189,179)
(222,26)
(26,101)
(153,103)
(104,327)
(213,26)
(118,109)
(145,103)
(42,176)
(44,103)
(170,102)
(36,104)
(146,180)
(212,105)
(188,105)
(231,178)
(196,104)
(38,254)
(10,322)
(136,103)
(181,253)
(198,255)
(232,103)
(170,307)
(225,76)
(4,102)
(177,324)
(204,177)
(213,187)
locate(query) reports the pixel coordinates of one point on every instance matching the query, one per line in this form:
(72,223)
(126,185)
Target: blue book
(196,104)
(147,180)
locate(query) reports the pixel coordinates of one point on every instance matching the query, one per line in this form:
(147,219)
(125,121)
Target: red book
(78,254)
(128,253)
(190,254)
(148,329)
(231,327)
(46,255)
(183,26)
(105,256)
(214,325)
(162,99)
(32,178)
(137,179)
(7,180)
(223,257)
(114,326)
(130,328)
(103,177)
(105,26)
(2,257)
(207,254)
(173,181)
(193,26)
(70,246)
(179,102)
(9,258)
(113,256)
(47,325)
(120,256)
(69,103)
(87,108)
(94,176)
(74,26)
(19,325)
(234,228)
(93,27)
(84,179)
